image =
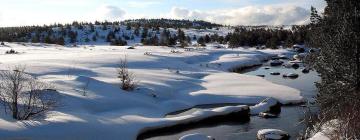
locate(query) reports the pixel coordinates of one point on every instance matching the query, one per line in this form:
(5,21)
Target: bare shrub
(24,96)
(127,78)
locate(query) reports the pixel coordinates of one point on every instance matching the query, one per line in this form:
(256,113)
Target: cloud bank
(110,13)
(250,15)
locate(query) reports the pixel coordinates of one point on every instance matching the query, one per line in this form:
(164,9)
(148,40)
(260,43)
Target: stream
(288,120)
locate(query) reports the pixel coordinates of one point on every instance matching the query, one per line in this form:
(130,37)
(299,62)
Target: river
(289,119)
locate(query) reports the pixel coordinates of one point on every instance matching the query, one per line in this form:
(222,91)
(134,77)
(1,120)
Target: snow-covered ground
(167,82)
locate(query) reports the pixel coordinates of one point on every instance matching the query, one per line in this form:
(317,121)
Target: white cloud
(110,13)
(250,15)
(177,12)
(143,4)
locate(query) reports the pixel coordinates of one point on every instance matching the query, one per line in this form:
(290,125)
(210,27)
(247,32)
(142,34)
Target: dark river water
(289,119)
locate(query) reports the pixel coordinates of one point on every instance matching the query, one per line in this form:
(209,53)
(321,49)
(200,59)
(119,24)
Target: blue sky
(233,12)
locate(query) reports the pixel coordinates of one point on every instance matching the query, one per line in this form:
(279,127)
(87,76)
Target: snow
(167,82)
(194,117)
(326,130)
(196,136)
(263,106)
(319,136)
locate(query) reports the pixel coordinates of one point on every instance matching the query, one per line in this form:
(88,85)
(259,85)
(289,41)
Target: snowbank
(239,113)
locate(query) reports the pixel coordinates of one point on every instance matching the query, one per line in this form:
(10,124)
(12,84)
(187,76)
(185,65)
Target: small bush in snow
(23,95)
(127,78)
(11,52)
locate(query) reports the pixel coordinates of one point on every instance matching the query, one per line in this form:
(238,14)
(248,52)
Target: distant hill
(157,32)
(171,23)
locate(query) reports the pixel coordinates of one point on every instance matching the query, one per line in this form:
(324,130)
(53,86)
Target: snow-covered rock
(196,136)
(272,134)
(267,115)
(268,105)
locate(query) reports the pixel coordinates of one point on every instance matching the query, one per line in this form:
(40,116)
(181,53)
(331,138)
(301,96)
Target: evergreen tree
(164,38)
(110,36)
(201,41)
(128,27)
(137,31)
(92,28)
(144,33)
(87,39)
(60,41)
(207,39)
(338,62)
(48,39)
(73,36)
(94,38)
(272,43)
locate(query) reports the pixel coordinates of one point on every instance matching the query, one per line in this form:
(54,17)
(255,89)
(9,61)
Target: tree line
(154,32)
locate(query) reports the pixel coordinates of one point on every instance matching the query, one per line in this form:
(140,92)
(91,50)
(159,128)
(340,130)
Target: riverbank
(167,82)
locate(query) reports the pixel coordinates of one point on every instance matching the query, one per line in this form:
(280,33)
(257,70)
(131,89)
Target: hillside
(155,32)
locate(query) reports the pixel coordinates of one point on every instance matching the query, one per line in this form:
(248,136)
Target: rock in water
(275,73)
(269,105)
(267,115)
(272,134)
(196,136)
(295,66)
(291,75)
(305,70)
(276,63)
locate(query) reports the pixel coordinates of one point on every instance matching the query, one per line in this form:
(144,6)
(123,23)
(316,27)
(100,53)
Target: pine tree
(144,34)
(164,38)
(128,27)
(48,39)
(94,38)
(137,31)
(73,36)
(60,41)
(207,39)
(201,41)
(338,62)
(110,36)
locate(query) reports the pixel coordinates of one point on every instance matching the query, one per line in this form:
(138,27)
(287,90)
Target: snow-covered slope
(167,82)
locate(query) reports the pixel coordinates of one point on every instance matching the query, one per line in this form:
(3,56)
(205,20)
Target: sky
(227,12)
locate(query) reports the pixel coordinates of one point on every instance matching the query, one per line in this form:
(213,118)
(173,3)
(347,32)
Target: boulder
(272,134)
(196,136)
